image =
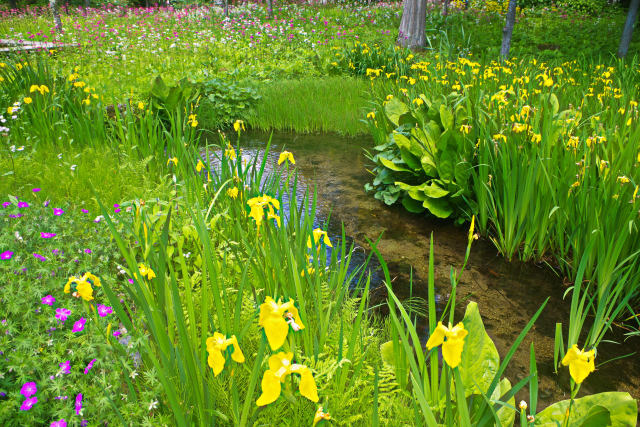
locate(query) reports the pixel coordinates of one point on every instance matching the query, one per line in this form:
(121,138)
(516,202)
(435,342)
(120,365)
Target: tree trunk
(627,32)
(507,31)
(412,26)
(57,23)
(445,8)
(87,4)
(270,8)
(13,4)
(226,8)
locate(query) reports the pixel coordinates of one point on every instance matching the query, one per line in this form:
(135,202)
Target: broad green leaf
(393,166)
(414,206)
(438,207)
(387,353)
(555,105)
(446,117)
(428,165)
(408,144)
(506,415)
(446,165)
(480,358)
(622,408)
(394,109)
(412,161)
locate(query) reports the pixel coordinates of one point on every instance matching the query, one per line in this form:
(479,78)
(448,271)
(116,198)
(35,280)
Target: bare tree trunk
(412,26)
(57,23)
(13,4)
(87,4)
(507,31)
(627,32)
(445,8)
(226,8)
(270,8)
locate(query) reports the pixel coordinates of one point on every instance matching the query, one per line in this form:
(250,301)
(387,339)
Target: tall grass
(327,104)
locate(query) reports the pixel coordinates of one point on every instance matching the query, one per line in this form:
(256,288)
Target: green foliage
(224,102)
(588,7)
(425,160)
(602,409)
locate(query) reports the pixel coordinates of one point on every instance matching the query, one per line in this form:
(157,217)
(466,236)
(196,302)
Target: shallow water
(508,294)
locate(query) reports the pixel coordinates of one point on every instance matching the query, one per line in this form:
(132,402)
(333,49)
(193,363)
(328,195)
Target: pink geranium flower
(28,403)
(61,423)
(23,204)
(48,300)
(28,389)
(79,325)
(62,314)
(104,310)
(89,366)
(47,235)
(57,211)
(6,255)
(65,366)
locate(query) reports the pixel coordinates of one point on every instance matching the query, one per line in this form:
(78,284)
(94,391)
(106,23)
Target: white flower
(133,374)
(73,167)
(153,404)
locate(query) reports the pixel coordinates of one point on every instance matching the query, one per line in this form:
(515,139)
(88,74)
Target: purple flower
(57,211)
(38,256)
(47,235)
(28,389)
(28,403)
(61,423)
(46,203)
(16,215)
(23,205)
(79,325)
(87,251)
(35,190)
(84,423)
(84,211)
(116,333)
(78,403)
(48,300)
(65,367)
(62,314)
(6,255)
(89,366)
(6,204)
(104,310)
(55,251)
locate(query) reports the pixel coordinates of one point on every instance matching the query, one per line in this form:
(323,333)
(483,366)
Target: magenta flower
(62,314)
(35,190)
(117,333)
(84,211)
(46,203)
(57,211)
(61,423)
(78,403)
(65,366)
(28,389)
(89,366)
(79,325)
(38,256)
(6,255)
(48,300)
(16,215)
(6,204)
(104,310)
(28,403)
(87,251)
(47,235)
(23,204)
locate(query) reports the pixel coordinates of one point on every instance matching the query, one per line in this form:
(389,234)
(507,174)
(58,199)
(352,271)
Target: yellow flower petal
(270,389)
(276,329)
(216,361)
(437,337)
(581,363)
(308,386)
(452,351)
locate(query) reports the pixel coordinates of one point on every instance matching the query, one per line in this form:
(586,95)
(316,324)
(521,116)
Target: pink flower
(35,190)
(6,204)
(23,204)
(79,325)
(28,389)
(89,366)
(6,255)
(48,300)
(87,251)
(47,235)
(28,403)
(78,403)
(84,211)
(57,211)
(61,423)
(38,256)
(65,366)
(62,314)
(104,310)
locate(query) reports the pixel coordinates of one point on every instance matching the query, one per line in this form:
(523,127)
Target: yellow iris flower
(230,152)
(42,89)
(146,271)
(280,367)
(286,155)
(272,319)
(452,347)
(320,415)
(199,166)
(317,235)
(233,192)
(238,125)
(258,204)
(173,160)
(28,100)
(83,288)
(216,345)
(581,363)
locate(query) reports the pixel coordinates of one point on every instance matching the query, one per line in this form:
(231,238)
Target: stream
(507,293)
